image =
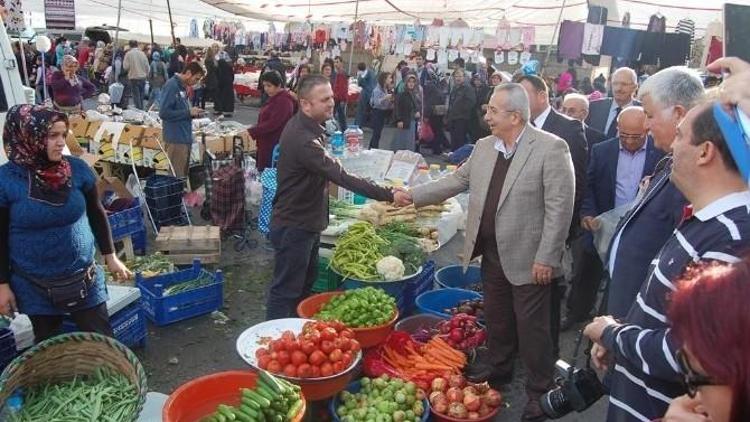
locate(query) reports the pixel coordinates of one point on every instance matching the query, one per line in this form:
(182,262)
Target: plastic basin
(436,301)
(367,337)
(437,417)
(199,397)
(354,388)
(454,276)
(417,322)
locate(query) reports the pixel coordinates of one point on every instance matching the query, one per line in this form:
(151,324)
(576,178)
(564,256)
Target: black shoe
(533,412)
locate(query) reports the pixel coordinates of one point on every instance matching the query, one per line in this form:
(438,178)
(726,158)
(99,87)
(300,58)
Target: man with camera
(640,350)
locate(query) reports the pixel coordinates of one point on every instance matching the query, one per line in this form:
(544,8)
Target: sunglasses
(690,378)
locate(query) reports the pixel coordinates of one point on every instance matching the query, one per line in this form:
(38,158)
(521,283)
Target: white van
(12,90)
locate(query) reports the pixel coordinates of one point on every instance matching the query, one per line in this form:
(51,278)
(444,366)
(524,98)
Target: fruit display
(359,308)
(470,307)
(272,399)
(382,399)
(462,332)
(455,398)
(322,349)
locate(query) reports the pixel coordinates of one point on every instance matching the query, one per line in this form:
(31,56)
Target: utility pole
(171,24)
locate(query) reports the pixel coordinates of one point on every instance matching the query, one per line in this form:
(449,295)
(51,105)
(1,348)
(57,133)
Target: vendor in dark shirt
(300,209)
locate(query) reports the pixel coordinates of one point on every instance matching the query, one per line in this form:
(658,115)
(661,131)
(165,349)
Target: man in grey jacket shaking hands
(521,191)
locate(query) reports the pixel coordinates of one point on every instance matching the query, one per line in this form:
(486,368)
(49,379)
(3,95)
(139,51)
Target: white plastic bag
(115,92)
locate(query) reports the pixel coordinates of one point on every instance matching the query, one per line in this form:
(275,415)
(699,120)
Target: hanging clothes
(657,23)
(597,15)
(652,47)
(676,51)
(193,28)
(592,39)
(626,20)
(528,36)
(714,49)
(570,40)
(622,42)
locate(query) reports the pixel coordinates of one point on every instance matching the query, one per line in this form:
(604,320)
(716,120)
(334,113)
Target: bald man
(603,113)
(614,172)
(576,106)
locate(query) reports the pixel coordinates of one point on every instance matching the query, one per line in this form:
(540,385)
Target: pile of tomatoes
(324,348)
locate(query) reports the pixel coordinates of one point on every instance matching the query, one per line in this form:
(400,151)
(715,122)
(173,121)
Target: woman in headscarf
(51,220)
(274,115)
(478,127)
(406,114)
(433,96)
(382,105)
(211,81)
(68,88)
(157,77)
(302,71)
(224,100)
(119,75)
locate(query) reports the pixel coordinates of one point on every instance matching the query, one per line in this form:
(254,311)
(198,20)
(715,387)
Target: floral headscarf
(25,138)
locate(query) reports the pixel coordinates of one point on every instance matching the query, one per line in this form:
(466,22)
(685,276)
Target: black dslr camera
(577,389)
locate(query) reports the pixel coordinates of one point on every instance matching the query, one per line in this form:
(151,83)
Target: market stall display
(454,399)
(439,302)
(455,276)
(381,398)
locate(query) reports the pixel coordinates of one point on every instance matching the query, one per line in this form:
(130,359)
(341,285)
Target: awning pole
(351,53)
(554,33)
(171,24)
(23,60)
(117,29)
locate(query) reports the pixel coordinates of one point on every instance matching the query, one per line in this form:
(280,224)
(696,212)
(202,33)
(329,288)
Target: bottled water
(337,144)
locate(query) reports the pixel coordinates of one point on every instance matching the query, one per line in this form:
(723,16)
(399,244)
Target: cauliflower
(390,268)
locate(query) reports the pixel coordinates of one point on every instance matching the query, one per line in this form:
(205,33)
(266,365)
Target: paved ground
(185,350)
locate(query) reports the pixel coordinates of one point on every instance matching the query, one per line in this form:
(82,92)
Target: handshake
(402,197)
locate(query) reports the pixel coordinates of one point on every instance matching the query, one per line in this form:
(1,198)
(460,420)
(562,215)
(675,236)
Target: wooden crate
(184,243)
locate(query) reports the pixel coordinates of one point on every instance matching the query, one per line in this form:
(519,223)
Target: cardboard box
(79,126)
(112,184)
(125,154)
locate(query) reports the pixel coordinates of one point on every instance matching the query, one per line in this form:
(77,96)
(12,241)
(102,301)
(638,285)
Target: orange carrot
(433,366)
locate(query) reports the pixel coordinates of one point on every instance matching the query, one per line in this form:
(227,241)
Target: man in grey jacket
(521,191)
(136,64)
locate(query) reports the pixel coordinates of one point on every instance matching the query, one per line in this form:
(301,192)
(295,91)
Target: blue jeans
(154,97)
(198,96)
(340,115)
(137,88)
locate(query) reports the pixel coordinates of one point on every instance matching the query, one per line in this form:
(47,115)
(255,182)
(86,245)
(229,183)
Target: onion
(456,381)
(472,402)
(439,384)
(458,411)
(492,398)
(455,395)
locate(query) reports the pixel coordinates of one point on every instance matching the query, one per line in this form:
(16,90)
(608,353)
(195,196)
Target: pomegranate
(484,409)
(458,411)
(472,402)
(455,395)
(436,396)
(473,416)
(470,390)
(456,381)
(492,398)
(441,407)
(439,384)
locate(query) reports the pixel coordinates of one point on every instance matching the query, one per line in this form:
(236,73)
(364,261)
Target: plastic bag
(607,222)
(115,92)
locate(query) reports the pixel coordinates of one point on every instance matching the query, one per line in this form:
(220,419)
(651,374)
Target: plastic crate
(139,242)
(164,310)
(8,350)
(164,199)
(126,316)
(127,221)
(327,280)
(422,283)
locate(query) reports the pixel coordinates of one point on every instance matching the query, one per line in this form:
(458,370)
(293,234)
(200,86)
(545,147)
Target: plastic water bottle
(435,171)
(421,178)
(337,144)
(354,139)
(12,407)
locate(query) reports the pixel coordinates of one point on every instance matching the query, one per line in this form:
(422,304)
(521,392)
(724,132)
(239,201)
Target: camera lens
(555,403)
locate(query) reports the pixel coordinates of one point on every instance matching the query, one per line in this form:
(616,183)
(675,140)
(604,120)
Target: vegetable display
(204,279)
(462,332)
(469,307)
(323,349)
(359,308)
(390,268)
(382,398)
(272,399)
(458,399)
(435,358)
(404,247)
(149,265)
(104,396)
(342,209)
(357,252)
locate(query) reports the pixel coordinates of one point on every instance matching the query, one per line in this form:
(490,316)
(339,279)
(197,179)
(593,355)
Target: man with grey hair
(603,113)
(576,106)
(667,96)
(521,192)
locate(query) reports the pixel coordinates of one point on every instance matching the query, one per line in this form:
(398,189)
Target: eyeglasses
(690,378)
(634,136)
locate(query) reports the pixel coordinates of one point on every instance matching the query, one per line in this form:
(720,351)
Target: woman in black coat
(460,109)
(211,81)
(224,98)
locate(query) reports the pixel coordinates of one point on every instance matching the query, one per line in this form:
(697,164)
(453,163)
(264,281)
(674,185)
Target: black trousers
(438,128)
(94,319)
(557,292)
(377,121)
(458,129)
(295,270)
(585,285)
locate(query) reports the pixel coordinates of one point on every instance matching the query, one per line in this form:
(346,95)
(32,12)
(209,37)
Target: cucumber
(249,411)
(219,417)
(262,401)
(247,401)
(272,382)
(242,416)
(265,392)
(294,409)
(227,411)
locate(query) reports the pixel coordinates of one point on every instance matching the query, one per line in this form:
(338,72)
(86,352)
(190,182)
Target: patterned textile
(268,180)
(228,198)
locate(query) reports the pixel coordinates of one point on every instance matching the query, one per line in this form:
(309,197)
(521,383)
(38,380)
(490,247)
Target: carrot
(432,366)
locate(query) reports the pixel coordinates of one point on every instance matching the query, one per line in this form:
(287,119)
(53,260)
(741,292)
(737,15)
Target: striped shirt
(646,377)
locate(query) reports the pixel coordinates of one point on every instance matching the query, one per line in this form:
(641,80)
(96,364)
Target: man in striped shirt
(640,350)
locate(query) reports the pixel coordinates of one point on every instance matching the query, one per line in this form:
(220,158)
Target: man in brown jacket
(521,192)
(300,209)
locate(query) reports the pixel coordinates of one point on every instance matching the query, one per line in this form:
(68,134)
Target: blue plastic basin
(454,276)
(436,301)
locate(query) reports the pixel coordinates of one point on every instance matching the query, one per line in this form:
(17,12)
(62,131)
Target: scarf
(25,138)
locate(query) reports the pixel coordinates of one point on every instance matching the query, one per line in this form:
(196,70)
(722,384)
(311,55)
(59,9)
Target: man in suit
(667,96)
(571,131)
(603,114)
(576,106)
(615,170)
(521,185)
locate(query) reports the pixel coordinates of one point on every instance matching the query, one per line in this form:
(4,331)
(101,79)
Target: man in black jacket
(571,131)
(576,106)
(300,209)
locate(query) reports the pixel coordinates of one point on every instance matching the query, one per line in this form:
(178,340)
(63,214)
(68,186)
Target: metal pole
(351,54)
(23,60)
(117,29)
(44,78)
(171,25)
(554,33)
(151,28)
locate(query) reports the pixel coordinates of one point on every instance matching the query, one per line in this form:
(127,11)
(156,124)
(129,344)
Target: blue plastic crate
(436,301)
(139,242)
(163,310)
(128,325)
(416,286)
(127,221)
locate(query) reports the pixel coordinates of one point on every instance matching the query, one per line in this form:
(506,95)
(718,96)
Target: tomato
(347,334)
(338,367)
(315,371)
(326,346)
(304,370)
(263,361)
(313,336)
(308,347)
(283,357)
(317,358)
(337,325)
(328,334)
(261,352)
(298,358)
(354,346)
(274,366)
(335,355)
(292,345)
(346,344)
(288,336)
(290,370)
(326,369)
(337,343)
(277,345)
(347,359)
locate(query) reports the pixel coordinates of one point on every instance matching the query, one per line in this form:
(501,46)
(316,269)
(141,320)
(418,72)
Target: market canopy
(542,14)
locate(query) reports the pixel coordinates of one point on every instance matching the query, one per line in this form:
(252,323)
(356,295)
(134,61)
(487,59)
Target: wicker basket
(61,358)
